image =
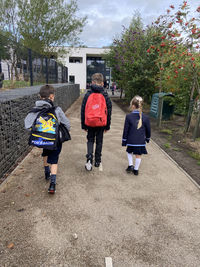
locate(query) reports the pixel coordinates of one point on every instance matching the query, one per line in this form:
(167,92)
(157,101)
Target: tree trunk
(160,109)
(190,109)
(121,93)
(196,129)
(16,73)
(12,76)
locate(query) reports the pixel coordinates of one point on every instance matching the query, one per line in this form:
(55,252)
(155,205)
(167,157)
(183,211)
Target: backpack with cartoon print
(45,129)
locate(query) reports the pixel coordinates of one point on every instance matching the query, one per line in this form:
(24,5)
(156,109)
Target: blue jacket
(133,136)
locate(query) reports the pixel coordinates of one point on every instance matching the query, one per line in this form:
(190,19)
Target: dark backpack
(64,134)
(45,129)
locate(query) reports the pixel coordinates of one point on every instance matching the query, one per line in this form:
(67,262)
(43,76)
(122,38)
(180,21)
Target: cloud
(106,18)
(101,32)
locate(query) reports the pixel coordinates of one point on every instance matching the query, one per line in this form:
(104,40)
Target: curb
(191,179)
(10,176)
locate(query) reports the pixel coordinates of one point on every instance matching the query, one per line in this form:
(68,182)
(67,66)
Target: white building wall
(79,70)
(4,66)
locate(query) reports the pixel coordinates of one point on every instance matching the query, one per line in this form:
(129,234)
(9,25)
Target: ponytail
(140,114)
(137,101)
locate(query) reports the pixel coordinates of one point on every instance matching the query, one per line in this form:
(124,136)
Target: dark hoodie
(96,89)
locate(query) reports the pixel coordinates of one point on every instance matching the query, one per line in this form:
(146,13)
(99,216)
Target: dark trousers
(96,132)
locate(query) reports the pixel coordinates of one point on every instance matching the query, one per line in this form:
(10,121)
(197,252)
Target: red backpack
(96,110)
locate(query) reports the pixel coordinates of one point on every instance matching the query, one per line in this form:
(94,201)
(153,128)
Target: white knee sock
(137,163)
(130,159)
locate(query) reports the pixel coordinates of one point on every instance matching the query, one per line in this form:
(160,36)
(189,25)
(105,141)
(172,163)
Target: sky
(106,18)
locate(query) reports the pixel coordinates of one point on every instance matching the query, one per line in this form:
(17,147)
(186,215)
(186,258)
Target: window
(72,79)
(75,60)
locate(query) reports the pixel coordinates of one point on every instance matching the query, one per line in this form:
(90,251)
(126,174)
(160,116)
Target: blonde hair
(97,78)
(137,101)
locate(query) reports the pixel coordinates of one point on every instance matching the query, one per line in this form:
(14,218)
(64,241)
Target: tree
(132,68)
(47,24)
(4,48)
(178,55)
(39,25)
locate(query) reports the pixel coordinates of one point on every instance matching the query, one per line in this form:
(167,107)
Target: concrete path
(149,220)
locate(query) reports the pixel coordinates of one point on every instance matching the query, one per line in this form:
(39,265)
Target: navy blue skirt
(136,150)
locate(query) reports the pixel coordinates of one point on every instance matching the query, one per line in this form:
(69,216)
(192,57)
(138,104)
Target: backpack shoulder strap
(37,109)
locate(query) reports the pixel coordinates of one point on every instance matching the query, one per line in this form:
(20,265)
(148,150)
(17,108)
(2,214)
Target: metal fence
(19,63)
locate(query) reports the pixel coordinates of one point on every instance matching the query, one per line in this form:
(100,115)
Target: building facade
(83,62)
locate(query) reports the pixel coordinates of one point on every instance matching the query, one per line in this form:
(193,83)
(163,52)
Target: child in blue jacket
(137,133)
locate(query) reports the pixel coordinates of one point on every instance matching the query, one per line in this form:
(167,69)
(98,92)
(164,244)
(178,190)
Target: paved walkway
(149,220)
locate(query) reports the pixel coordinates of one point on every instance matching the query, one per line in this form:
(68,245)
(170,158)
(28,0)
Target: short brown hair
(98,78)
(46,91)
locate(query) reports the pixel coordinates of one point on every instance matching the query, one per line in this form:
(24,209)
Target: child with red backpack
(95,118)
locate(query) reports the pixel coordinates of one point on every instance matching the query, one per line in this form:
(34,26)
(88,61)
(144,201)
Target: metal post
(30,66)
(66,74)
(62,74)
(47,70)
(0,66)
(110,77)
(160,109)
(8,71)
(56,72)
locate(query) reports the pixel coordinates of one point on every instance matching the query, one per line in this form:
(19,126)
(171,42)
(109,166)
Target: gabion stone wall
(14,106)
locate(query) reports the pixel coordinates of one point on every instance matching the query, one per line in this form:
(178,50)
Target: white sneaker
(100,167)
(88,165)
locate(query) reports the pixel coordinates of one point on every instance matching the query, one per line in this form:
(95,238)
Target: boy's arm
(62,118)
(29,120)
(109,109)
(147,129)
(125,132)
(83,126)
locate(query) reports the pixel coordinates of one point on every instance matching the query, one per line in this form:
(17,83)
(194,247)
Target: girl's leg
(130,162)
(130,159)
(137,162)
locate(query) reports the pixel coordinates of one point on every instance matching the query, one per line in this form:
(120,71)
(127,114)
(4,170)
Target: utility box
(167,110)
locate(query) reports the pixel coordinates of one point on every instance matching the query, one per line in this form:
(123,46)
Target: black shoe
(47,175)
(52,188)
(130,169)
(136,172)
(97,164)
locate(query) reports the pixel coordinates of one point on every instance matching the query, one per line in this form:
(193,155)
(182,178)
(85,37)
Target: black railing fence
(19,63)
